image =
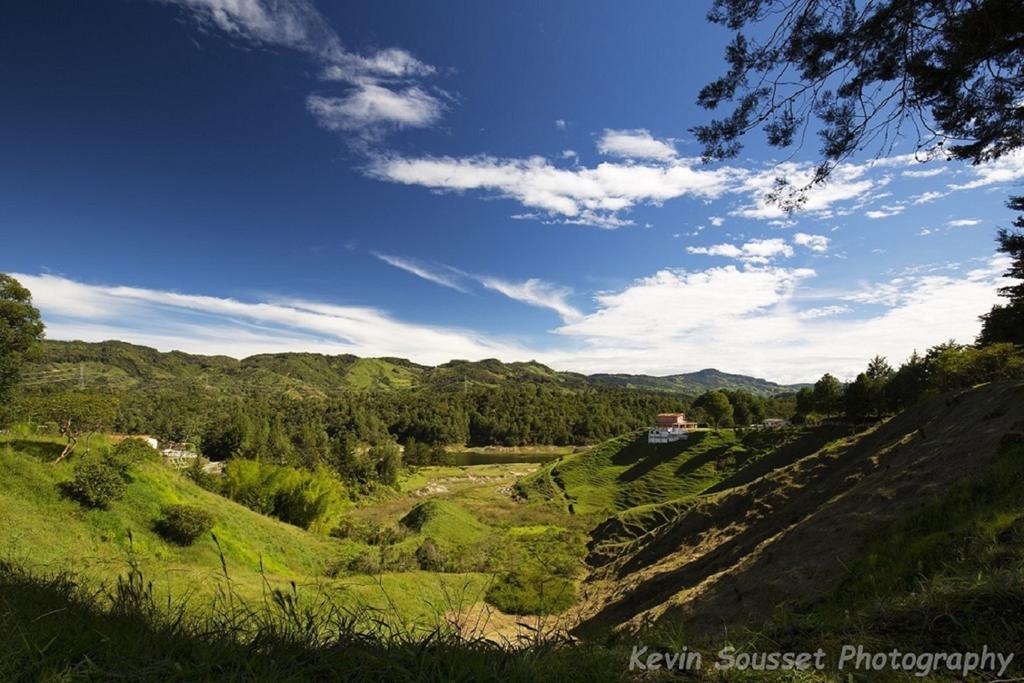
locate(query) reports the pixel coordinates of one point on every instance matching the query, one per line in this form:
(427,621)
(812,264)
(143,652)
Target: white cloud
(446,278)
(561,124)
(672,304)
(818,243)
(1007,169)
(593,196)
(533,291)
(926,197)
(716,221)
(886,211)
(963,222)
(822,312)
(755,251)
(536,292)
(382,95)
(926,173)
(752,320)
(847,182)
(635,144)
(652,174)
(295,24)
(216,325)
(369,108)
(390,63)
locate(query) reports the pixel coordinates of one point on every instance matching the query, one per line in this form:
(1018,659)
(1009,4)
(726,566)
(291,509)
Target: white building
(669,427)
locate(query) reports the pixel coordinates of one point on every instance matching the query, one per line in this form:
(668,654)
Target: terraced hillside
(627,473)
(791,535)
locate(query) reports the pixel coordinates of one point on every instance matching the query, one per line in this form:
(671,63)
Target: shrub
(134,451)
(531,593)
(252,484)
(398,559)
(365,563)
(183,524)
(203,479)
(312,500)
(97,481)
(429,556)
(370,533)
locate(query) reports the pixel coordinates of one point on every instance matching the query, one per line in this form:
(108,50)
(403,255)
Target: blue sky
(463,180)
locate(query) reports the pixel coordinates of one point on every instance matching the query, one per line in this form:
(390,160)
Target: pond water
(473,458)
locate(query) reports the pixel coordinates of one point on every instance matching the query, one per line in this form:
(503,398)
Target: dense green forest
(306,408)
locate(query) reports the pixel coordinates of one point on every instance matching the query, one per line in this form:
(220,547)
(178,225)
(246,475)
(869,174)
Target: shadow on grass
(46,451)
(657,454)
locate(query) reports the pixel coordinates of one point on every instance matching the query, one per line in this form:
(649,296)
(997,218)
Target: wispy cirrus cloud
(445,276)
(209,324)
(532,291)
(536,292)
(381,90)
(372,109)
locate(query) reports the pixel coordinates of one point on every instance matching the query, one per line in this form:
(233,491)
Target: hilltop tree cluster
(882,390)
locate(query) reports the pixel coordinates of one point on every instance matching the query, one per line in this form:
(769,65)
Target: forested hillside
(302,408)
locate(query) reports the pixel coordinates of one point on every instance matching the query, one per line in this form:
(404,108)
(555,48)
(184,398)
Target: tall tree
(717,407)
(943,71)
(1005,322)
(805,401)
(828,392)
(20,330)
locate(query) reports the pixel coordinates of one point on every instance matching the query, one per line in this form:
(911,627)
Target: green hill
(120,365)
(93,540)
(44,530)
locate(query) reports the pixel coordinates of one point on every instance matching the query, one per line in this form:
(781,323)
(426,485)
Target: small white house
(774,423)
(669,427)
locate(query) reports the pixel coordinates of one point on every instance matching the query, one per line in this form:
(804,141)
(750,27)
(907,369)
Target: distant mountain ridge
(697,382)
(116,364)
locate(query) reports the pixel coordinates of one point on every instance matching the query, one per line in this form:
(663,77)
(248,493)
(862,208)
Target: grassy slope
(627,472)
(736,555)
(43,529)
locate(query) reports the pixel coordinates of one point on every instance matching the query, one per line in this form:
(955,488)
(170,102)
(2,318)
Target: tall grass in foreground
(52,627)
